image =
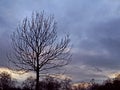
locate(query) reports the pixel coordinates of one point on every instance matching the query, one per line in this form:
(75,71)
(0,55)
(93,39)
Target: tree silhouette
(29,84)
(110,84)
(66,84)
(6,82)
(51,83)
(36,46)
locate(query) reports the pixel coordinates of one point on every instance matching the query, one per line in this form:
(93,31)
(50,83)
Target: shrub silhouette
(113,84)
(49,83)
(29,84)
(6,82)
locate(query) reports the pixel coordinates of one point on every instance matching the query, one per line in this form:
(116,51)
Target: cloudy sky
(94,27)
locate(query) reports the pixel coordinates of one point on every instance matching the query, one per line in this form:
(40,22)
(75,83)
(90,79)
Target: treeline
(50,83)
(111,84)
(47,83)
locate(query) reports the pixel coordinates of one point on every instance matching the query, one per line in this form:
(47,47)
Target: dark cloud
(104,38)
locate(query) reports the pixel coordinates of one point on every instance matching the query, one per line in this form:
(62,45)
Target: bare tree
(36,46)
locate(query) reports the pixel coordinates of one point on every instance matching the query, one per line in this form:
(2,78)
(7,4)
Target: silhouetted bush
(107,85)
(49,83)
(29,84)
(6,82)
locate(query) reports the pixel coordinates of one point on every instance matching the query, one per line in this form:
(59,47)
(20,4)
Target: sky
(93,25)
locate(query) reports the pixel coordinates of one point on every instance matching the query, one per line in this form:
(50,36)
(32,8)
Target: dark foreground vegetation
(49,83)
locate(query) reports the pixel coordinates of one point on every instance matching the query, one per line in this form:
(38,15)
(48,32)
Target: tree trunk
(37,73)
(37,80)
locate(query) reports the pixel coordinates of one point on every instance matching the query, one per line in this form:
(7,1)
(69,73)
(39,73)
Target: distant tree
(29,84)
(66,84)
(117,77)
(95,86)
(51,83)
(110,84)
(36,46)
(6,82)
